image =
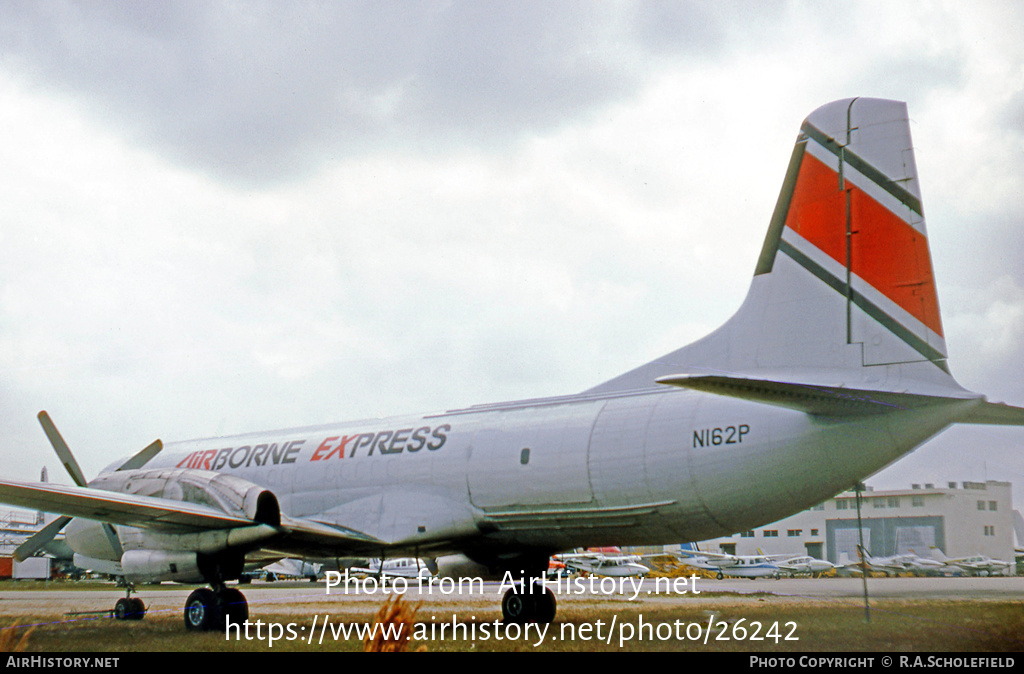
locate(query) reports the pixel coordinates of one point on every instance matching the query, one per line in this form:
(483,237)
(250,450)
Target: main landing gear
(528,604)
(211,609)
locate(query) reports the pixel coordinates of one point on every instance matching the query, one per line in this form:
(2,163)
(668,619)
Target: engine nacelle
(227,493)
(140,566)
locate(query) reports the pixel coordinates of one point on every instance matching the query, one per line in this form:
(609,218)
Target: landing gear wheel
(138,609)
(545,606)
(521,605)
(123,608)
(203,611)
(719,575)
(517,607)
(236,609)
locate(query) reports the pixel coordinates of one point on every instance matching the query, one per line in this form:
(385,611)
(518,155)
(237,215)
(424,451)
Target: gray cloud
(262,91)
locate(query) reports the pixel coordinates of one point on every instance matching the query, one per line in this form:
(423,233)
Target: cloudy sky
(224,217)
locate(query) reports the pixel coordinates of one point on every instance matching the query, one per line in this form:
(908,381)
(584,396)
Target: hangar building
(969,518)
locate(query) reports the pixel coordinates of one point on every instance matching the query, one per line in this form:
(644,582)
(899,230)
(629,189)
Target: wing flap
(309,536)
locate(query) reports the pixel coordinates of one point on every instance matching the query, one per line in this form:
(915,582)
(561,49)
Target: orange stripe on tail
(887,253)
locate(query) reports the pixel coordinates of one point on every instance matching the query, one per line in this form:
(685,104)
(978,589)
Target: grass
(895,626)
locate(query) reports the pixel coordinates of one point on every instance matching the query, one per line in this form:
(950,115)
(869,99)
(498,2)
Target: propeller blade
(62,449)
(143,457)
(38,540)
(46,534)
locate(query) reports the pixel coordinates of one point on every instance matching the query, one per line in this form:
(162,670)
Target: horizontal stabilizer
(996,414)
(830,401)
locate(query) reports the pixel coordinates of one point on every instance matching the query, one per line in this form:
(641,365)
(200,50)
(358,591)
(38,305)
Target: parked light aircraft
(405,567)
(292,568)
(742,566)
(802,564)
(833,367)
(890,565)
(921,565)
(614,564)
(976,565)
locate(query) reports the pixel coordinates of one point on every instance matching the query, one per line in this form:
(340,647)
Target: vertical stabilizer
(843,293)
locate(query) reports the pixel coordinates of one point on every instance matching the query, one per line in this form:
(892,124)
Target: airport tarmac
(304,598)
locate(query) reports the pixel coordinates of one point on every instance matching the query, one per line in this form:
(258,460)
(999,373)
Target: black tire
(203,611)
(545,606)
(234,606)
(123,609)
(719,575)
(138,609)
(517,607)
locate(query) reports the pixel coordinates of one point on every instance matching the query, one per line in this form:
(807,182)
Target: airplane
(975,565)
(405,567)
(802,564)
(920,565)
(833,367)
(890,566)
(292,568)
(741,566)
(599,563)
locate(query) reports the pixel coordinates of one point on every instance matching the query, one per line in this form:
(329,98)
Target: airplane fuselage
(657,466)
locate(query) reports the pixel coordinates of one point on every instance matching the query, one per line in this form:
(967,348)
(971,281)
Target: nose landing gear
(128,607)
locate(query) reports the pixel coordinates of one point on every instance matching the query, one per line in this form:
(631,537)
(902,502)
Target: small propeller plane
(399,567)
(739,566)
(834,366)
(975,565)
(600,562)
(794,564)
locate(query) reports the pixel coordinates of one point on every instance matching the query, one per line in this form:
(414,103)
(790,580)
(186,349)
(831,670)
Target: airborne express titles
(384,442)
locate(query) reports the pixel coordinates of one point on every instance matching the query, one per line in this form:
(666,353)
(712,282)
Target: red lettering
(344,441)
(324,445)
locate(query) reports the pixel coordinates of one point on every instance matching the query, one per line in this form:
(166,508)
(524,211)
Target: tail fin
(843,294)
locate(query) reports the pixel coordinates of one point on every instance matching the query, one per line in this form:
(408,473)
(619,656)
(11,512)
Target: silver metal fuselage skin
(644,467)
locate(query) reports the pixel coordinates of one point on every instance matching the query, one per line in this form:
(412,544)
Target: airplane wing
(176,516)
(585,561)
(709,555)
(116,508)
